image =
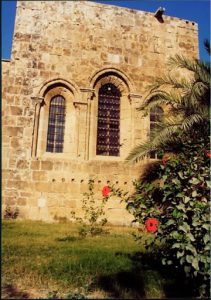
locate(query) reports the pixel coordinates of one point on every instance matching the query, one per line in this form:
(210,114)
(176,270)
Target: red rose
(151,225)
(208,154)
(105,191)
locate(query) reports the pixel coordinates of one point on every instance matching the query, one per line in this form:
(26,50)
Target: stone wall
(72,48)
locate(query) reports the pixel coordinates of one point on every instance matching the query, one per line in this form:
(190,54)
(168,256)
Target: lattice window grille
(56,125)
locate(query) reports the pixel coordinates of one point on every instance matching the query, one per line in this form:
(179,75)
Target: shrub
(179,200)
(11,213)
(92,221)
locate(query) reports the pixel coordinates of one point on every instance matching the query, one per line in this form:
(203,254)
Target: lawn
(45,260)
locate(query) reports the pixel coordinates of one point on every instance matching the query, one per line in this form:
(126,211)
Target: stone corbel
(38,102)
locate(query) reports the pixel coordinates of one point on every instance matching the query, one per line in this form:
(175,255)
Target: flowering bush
(92,221)
(179,200)
(175,193)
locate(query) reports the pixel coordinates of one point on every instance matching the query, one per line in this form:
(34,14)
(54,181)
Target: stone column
(81,113)
(38,102)
(135,103)
(87,96)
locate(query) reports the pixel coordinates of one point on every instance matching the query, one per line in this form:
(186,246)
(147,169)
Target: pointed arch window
(156,114)
(56,125)
(108,124)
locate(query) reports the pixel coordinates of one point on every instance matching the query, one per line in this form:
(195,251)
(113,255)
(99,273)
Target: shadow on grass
(8,291)
(174,283)
(146,275)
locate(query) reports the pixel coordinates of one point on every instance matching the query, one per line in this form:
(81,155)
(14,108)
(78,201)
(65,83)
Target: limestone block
(13,131)
(39,175)
(22,164)
(46,165)
(43,187)
(21,201)
(35,165)
(16,110)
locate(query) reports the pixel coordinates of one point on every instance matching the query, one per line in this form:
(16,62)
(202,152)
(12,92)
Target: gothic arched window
(56,125)
(108,124)
(156,114)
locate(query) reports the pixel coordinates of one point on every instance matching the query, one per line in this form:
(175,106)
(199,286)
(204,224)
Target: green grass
(51,260)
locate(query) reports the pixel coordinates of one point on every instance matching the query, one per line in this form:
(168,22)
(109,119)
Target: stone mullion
(87,96)
(39,101)
(81,116)
(135,102)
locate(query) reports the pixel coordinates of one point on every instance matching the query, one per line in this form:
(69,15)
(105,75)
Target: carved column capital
(37,100)
(134,99)
(89,93)
(78,104)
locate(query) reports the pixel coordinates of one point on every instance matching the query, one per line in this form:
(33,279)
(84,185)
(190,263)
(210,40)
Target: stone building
(77,73)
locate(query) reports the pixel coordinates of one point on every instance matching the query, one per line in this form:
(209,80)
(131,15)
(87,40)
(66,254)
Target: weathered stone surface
(46,165)
(71,48)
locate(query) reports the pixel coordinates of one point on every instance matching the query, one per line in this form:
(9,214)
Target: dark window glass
(156,115)
(108,126)
(56,125)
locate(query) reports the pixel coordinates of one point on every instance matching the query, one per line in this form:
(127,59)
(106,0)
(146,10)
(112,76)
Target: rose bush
(176,192)
(179,199)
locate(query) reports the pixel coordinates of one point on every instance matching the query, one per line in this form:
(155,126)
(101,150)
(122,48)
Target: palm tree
(187,102)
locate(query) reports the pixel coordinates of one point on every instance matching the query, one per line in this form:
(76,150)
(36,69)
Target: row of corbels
(88,181)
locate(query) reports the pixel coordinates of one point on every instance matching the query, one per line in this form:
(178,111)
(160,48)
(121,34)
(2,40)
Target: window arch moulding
(126,127)
(48,91)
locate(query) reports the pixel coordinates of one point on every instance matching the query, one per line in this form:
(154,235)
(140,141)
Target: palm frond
(188,108)
(158,141)
(168,80)
(207,46)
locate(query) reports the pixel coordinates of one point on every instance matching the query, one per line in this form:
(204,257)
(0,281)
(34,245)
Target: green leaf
(194,194)
(181,175)
(181,207)
(176,181)
(176,245)
(190,236)
(206,226)
(180,195)
(195,264)
(175,213)
(180,254)
(164,178)
(191,248)
(186,199)
(170,222)
(194,180)
(185,227)
(208,183)
(206,238)
(189,259)
(142,206)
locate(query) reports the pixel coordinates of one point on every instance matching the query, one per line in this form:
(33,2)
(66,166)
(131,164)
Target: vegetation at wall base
(179,198)
(93,220)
